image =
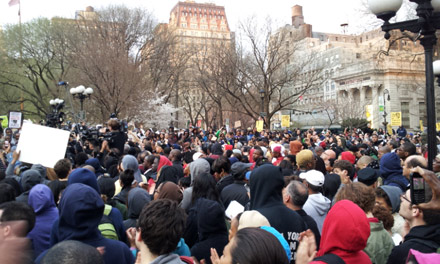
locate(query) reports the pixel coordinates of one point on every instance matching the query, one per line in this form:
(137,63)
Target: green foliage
(33,58)
(354,123)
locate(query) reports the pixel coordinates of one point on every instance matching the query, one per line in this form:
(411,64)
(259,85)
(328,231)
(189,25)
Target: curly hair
(162,223)
(384,216)
(358,193)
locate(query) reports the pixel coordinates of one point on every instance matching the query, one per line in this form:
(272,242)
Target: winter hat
(236,151)
(368,176)
(280,238)
(228,147)
(347,155)
(393,193)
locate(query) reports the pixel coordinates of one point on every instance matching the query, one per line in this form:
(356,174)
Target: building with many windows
(359,74)
(200,28)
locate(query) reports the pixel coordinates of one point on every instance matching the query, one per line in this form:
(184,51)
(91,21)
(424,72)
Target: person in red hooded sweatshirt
(344,236)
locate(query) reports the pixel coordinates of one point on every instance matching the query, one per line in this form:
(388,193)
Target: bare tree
(108,54)
(266,63)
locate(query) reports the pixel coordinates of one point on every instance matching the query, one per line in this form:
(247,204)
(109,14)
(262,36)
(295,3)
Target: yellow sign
(389,129)
(421,126)
(259,125)
(285,120)
(396,118)
(369,112)
(438,126)
(4,121)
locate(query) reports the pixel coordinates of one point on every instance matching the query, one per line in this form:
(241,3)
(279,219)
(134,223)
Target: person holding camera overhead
(117,138)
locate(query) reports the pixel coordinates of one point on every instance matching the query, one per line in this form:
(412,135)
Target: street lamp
(81,93)
(262,93)
(56,117)
(385,123)
(425,26)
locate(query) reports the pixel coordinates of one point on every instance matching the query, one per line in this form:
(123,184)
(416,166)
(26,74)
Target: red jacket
(345,233)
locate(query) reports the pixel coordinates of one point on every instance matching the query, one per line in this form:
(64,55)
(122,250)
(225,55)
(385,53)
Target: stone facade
(358,73)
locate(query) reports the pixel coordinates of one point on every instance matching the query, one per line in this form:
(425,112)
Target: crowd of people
(220,196)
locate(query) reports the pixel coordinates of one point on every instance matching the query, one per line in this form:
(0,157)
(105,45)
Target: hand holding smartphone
(418,188)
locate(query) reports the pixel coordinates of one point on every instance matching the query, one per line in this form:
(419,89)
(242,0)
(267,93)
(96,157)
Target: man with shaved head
(413,161)
(176,158)
(382,151)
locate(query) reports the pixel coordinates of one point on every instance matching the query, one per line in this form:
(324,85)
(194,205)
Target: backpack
(330,258)
(106,226)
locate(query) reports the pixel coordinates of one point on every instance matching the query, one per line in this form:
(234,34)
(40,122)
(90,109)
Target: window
(422,113)
(404,108)
(333,85)
(358,55)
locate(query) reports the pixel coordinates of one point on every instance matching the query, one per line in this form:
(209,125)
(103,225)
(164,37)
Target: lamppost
(262,93)
(81,93)
(385,123)
(425,26)
(55,118)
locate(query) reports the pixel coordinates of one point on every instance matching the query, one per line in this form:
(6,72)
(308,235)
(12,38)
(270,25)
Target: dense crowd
(125,195)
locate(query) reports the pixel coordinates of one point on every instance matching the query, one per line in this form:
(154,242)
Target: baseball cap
(313,177)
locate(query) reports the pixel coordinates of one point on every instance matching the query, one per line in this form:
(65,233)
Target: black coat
(425,239)
(235,191)
(266,184)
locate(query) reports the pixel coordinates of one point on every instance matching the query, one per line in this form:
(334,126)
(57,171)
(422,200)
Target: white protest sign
(234,209)
(42,145)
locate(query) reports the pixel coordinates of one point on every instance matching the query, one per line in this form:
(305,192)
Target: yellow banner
(396,118)
(259,125)
(369,112)
(438,126)
(285,120)
(421,126)
(389,129)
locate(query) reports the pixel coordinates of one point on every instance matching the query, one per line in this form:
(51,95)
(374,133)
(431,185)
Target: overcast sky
(324,15)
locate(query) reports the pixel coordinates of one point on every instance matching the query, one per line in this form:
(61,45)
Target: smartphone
(417,188)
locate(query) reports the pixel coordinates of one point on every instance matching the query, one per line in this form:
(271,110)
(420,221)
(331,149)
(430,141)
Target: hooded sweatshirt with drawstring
(81,209)
(317,206)
(345,233)
(266,183)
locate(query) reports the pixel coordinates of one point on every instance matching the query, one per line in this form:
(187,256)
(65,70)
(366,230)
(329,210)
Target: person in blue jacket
(81,209)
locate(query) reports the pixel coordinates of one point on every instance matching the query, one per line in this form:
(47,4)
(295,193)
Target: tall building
(359,74)
(200,28)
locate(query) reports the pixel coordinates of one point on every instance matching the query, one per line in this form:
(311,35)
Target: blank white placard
(42,145)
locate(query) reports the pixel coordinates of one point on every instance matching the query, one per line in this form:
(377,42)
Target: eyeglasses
(403,196)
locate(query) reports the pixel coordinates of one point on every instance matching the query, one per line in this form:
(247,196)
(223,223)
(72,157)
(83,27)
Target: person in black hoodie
(211,229)
(266,183)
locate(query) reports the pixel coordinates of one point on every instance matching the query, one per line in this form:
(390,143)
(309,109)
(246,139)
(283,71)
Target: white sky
(324,15)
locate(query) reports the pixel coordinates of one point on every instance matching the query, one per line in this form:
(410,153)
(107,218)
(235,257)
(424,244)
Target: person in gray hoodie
(196,167)
(317,205)
(29,179)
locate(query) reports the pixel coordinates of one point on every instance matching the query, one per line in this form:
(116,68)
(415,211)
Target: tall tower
(297,16)
(202,28)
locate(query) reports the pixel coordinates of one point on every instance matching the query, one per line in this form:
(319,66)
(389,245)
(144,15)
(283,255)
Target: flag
(14,2)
